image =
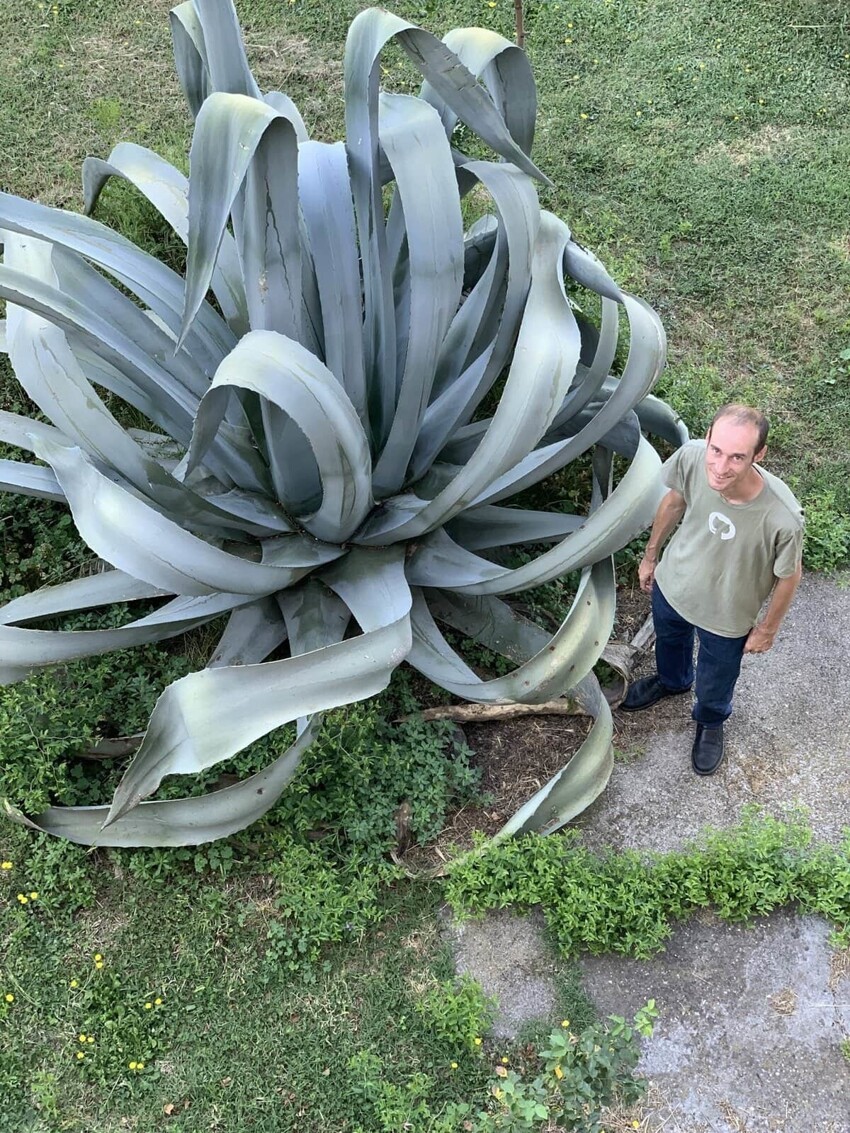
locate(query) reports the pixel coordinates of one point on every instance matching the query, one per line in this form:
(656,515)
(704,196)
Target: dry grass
(784,1002)
(767,142)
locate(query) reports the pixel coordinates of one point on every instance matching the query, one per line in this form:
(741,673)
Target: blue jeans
(718,661)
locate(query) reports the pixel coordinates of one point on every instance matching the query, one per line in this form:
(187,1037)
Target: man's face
(730,454)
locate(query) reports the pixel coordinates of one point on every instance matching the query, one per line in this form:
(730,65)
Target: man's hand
(646,572)
(759,640)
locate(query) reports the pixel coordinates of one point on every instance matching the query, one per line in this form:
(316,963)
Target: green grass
(702,151)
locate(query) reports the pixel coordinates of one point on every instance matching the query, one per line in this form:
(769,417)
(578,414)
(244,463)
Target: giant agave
(319,455)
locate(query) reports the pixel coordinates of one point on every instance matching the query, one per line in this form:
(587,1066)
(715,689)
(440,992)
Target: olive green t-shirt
(724,559)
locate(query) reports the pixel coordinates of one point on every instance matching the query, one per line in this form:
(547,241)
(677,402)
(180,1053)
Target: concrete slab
(752,1019)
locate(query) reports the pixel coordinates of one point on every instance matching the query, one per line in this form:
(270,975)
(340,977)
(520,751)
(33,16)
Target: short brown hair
(744,415)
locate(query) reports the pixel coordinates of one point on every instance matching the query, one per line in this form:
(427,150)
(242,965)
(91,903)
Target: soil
(517,757)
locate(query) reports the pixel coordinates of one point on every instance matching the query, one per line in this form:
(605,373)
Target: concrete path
(752,1019)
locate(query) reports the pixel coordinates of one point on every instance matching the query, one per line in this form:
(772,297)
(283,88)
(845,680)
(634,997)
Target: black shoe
(648,691)
(707,752)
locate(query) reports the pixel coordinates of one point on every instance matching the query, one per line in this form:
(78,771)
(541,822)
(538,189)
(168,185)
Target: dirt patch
(516,759)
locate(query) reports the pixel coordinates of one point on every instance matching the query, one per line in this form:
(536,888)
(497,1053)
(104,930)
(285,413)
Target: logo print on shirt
(722,525)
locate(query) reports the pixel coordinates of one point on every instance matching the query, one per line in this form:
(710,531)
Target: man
(739,540)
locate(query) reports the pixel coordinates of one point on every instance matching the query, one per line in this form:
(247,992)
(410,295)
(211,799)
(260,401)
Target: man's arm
(670,511)
(763,635)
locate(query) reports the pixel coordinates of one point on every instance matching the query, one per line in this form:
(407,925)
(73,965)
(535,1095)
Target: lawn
(293,979)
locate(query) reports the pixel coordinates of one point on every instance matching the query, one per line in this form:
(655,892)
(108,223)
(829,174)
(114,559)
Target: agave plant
(324,456)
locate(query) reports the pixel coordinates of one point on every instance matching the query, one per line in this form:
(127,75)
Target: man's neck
(748,490)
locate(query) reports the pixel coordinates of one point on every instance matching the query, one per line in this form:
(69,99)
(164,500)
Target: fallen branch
(474,713)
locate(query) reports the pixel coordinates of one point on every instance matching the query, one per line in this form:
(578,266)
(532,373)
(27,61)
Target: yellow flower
(140,1065)
(98,964)
(568,40)
(559,1072)
(132,1065)
(148,1006)
(158,1002)
(565,1022)
(80,1055)
(504,1061)
(22,898)
(477,1041)
(81,1038)
(638,114)
(90,1039)
(5,865)
(761,102)
(9,997)
(97,956)
(635,1125)
(33,896)
(702,66)
(454,1066)
(74,983)
(491,4)
(583,117)
(569,25)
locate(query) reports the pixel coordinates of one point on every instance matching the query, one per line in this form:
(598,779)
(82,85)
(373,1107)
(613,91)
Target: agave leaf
(568,658)
(656,417)
(267,231)
(645,361)
(412,138)
(299,385)
(325,192)
(178,405)
(369,33)
(22,650)
(574,788)
(252,633)
(516,201)
(314,615)
(101,589)
(53,378)
(440,562)
(3,344)
(544,362)
(506,73)
(209,716)
(29,480)
(284,105)
(190,54)
(585,268)
(179,822)
(224,51)
(23,431)
(167,189)
(491,622)
(228,134)
(488,526)
(127,532)
(592,378)
(156,286)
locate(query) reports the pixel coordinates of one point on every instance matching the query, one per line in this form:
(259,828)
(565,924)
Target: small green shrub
(582,1073)
(826,538)
(458,1012)
(317,903)
(627,902)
